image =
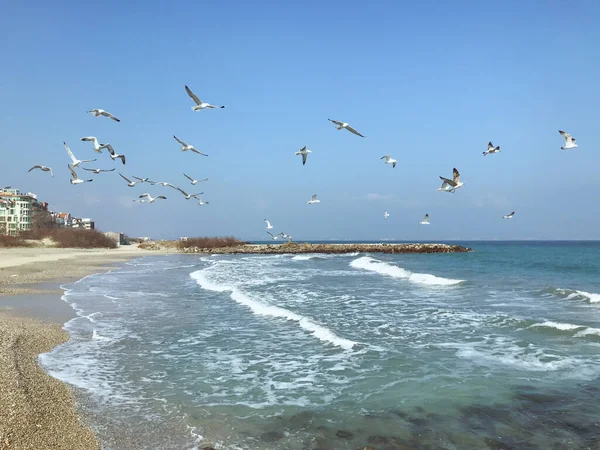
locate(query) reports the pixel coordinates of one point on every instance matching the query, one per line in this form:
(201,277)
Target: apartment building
(17,209)
(62,219)
(84,222)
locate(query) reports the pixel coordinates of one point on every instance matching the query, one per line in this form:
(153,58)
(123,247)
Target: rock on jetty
(292,247)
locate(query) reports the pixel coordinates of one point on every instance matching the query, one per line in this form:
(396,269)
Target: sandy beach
(37,410)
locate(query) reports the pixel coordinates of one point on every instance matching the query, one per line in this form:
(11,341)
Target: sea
(494,349)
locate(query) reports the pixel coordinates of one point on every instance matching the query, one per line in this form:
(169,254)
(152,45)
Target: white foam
(95,335)
(303,257)
(557,325)
(374,265)
(264,309)
(573,294)
(588,331)
(593,298)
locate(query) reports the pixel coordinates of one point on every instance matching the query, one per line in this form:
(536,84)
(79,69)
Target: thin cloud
(373,196)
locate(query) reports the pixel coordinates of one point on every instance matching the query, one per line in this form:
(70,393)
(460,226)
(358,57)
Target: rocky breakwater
(291,247)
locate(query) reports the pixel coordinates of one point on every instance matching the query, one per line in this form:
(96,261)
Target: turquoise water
(498,348)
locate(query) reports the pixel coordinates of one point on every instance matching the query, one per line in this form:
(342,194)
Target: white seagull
(386,214)
(185,147)
(200,202)
(101,112)
(425,221)
(451,185)
(76,161)
(342,125)
(269,226)
(304,154)
(113,155)
(188,196)
(151,199)
(162,183)
(491,149)
(569,140)
(199,103)
(97,171)
(273,236)
(75,179)
(129,182)
(193,181)
(389,160)
(509,216)
(313,200)
(42,168)
(286,236)
(97,147)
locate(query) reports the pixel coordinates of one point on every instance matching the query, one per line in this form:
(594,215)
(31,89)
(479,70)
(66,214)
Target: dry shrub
(12,241)
(80,238)
(210,242)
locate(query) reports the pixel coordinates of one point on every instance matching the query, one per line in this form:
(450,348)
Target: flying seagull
(200,202)
(97,171)
(491,149)
(188,196)
(313,200)
(286,236)
(273,236)
(386,214)
(194,181)
(425,221)
(509,216)
(185,147)
(389,160)
(129,182)
(451,185)
(569,140)
(76,161)
(269,226)
(75,179)
(97,146)
(162,183)
(152,199)
(113,155)
(101,112)
(144,180)
(304,154)
(341,125)
(199,103)
(42,168)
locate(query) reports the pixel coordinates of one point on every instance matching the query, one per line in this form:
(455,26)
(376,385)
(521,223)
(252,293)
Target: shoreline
(38,410)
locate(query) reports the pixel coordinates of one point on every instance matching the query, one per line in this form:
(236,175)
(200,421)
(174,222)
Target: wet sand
(37,410)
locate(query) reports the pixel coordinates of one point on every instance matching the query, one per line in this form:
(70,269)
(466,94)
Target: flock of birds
(98,147)
(448,185)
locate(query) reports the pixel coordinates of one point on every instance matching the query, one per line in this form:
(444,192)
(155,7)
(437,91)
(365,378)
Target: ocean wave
(573,294)
(383,268)
(557,325)
(264,309)
(303,257)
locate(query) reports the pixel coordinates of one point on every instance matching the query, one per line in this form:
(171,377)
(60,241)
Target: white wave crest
(264,309)
(575,294)
(588,332)
(303,257)
(374,265)
(557,325)
(593,298)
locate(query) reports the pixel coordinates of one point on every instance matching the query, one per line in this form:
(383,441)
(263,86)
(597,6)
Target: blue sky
(428,82)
